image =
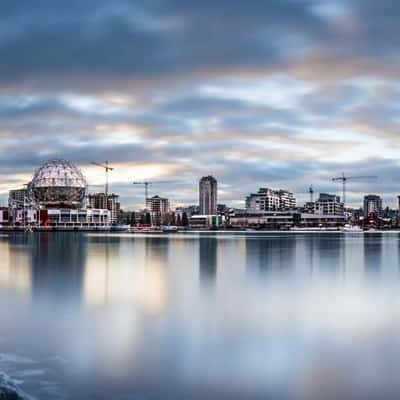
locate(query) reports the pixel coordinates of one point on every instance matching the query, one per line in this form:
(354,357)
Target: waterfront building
(19,207)
(329,204)
(23,215)
(71,218)
(372,203)
(105,202)
(18,196)
(58,184)
(205,221)
(55,198)
(208,195)
(4,216)
(281,220)
(189,210)
(270,200)
(158,208)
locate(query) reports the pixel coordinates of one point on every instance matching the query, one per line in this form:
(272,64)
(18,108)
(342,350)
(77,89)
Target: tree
(185,221)
(147,219)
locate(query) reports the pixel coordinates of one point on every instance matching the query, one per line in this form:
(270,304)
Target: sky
(273,93)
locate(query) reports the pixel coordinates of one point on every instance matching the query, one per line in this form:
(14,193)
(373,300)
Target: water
(257,316)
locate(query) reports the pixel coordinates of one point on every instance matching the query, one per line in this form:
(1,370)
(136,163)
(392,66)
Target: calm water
(280,316)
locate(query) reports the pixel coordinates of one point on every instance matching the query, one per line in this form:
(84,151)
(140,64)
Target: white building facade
(270,200)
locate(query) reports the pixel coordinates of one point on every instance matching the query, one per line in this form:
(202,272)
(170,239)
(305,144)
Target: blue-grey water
(226,316)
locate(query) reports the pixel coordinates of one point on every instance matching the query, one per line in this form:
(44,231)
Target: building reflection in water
(271,254)
(58,260)
(328,254)
(372,254)
(208,259)
(126,272)
(15,263)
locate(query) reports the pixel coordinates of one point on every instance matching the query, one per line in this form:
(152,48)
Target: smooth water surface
(226,316)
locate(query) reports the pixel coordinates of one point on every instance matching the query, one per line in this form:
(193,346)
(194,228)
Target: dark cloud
(61,43)
(280,92)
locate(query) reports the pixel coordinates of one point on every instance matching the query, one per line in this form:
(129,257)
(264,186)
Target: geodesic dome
(58,183)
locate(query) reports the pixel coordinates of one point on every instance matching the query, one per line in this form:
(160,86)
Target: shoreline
(199,232)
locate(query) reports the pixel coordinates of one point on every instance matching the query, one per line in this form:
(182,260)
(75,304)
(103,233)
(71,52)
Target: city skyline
(283,94)
(277,199)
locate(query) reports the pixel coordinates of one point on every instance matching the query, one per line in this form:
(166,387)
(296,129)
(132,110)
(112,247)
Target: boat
(169,229)
(120,228)
(352,228)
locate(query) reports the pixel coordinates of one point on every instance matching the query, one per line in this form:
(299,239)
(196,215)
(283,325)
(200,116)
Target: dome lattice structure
(58,183)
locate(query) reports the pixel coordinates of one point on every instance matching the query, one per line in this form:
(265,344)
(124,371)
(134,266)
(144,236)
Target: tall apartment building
(103,202)
(372,203)
(158,208)
(270,200)
(208,195)
(329,204)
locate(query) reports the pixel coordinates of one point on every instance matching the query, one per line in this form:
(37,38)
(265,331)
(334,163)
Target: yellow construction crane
(344,180)
(107,168)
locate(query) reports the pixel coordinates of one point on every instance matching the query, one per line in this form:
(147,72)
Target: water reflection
(137,278)
(126,316)
(58,261)
(15,265)
(330,253)
(372,254)
(208,260)
(271,254)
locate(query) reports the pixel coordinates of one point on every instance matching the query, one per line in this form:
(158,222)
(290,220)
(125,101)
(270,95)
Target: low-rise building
(206,221)
(70,218)
(4,216)
(281,220)
(188,210)
(329,204)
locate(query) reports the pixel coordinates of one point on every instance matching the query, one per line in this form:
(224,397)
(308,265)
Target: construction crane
(146,185)
(311,191)
(344,180)
(107,168)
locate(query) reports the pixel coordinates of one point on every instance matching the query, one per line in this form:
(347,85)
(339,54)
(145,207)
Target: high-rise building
(208,195)
(329,204)
(270,200)
(105,202)
(372,203)
(158,208)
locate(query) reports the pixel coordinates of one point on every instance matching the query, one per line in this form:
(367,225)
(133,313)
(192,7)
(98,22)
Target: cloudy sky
(277,93)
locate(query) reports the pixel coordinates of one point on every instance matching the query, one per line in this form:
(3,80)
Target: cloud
(282,93)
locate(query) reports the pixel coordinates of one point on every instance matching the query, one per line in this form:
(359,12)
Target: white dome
(59,173)
(58,182)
